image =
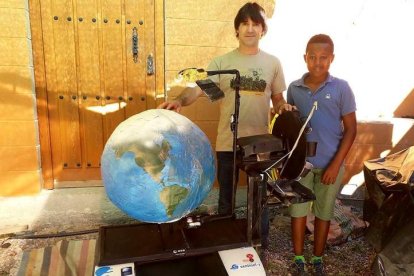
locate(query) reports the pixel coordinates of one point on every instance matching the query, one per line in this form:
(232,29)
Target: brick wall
(19,146)
(377,139)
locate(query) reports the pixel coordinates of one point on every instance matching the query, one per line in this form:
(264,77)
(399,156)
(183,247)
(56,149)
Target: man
(262,81)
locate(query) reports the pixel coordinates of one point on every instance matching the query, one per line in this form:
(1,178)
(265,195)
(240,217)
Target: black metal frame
(178,239)
(234,124)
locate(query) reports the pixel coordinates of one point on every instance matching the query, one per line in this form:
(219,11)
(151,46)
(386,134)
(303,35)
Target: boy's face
(318,59)
(249,33)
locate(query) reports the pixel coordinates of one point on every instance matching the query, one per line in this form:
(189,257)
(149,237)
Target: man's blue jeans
(225,180)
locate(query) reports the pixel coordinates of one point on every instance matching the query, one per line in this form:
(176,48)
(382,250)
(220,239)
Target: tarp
(389,208)
(394,172)
(397,257)
(345,224)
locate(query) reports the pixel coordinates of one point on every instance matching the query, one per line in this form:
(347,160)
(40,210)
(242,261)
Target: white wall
(374,46)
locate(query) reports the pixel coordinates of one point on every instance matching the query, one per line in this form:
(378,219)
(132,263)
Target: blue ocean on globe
(158,166)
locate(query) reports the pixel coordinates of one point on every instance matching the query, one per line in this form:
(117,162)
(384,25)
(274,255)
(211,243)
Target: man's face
(249,33)
(318,59)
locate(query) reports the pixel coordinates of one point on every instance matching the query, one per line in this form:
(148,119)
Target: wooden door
(93,79)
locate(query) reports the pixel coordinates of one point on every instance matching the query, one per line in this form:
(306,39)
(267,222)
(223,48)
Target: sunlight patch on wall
(108,108)
(401,128)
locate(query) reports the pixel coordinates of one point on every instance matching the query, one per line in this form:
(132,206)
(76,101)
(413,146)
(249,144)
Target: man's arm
(186,97)
(278,101)
(350,130)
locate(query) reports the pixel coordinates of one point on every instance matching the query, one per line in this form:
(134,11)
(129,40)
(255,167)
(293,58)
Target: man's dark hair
(320,38)
(253,11)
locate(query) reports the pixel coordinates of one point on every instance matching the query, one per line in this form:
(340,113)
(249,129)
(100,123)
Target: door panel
(136,71)
(112,64)
(89,83)
(93,82)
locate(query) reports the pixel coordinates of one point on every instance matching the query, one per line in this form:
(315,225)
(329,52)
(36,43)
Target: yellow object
(272,123)
(274,174)
(193,74)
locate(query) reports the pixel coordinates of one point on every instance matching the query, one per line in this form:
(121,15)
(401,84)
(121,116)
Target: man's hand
(286,107)
(280,105)
(186,97)
(172,105)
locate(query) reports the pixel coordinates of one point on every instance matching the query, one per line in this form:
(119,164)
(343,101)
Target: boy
(333,127)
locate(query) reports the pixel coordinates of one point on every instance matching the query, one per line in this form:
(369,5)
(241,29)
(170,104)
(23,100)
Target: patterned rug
(66,258)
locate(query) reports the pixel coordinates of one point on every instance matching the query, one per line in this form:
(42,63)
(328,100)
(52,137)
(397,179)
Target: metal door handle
(150,65)
(135,44)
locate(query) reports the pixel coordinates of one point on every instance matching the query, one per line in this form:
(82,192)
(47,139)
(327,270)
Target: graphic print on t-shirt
(252,83)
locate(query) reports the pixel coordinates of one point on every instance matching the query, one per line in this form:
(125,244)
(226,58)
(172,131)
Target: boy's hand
(330,174)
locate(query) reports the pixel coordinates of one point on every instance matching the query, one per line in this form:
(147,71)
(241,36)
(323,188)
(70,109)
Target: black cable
(53,235)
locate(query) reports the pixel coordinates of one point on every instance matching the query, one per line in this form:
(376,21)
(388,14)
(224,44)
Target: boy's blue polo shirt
(334,99)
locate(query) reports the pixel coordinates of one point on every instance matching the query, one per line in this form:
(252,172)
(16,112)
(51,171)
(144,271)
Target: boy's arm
(350,126)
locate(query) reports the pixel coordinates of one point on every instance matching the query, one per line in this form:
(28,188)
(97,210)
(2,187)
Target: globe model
(157,166)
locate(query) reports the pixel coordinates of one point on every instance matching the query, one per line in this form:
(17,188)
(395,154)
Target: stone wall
(19,145)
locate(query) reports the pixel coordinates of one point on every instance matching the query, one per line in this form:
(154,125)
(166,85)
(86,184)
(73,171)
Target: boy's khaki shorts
(323,206)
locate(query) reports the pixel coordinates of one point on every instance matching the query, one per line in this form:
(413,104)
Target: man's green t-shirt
(261,76)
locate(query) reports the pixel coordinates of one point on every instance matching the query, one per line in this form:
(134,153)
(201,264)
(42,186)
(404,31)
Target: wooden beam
(159,52)
(41,94)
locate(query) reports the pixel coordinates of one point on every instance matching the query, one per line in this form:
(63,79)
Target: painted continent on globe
(158,166)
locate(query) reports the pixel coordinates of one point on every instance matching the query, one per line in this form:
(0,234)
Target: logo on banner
(249,259)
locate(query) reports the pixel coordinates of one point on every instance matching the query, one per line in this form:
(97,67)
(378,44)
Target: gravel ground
(354,257)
